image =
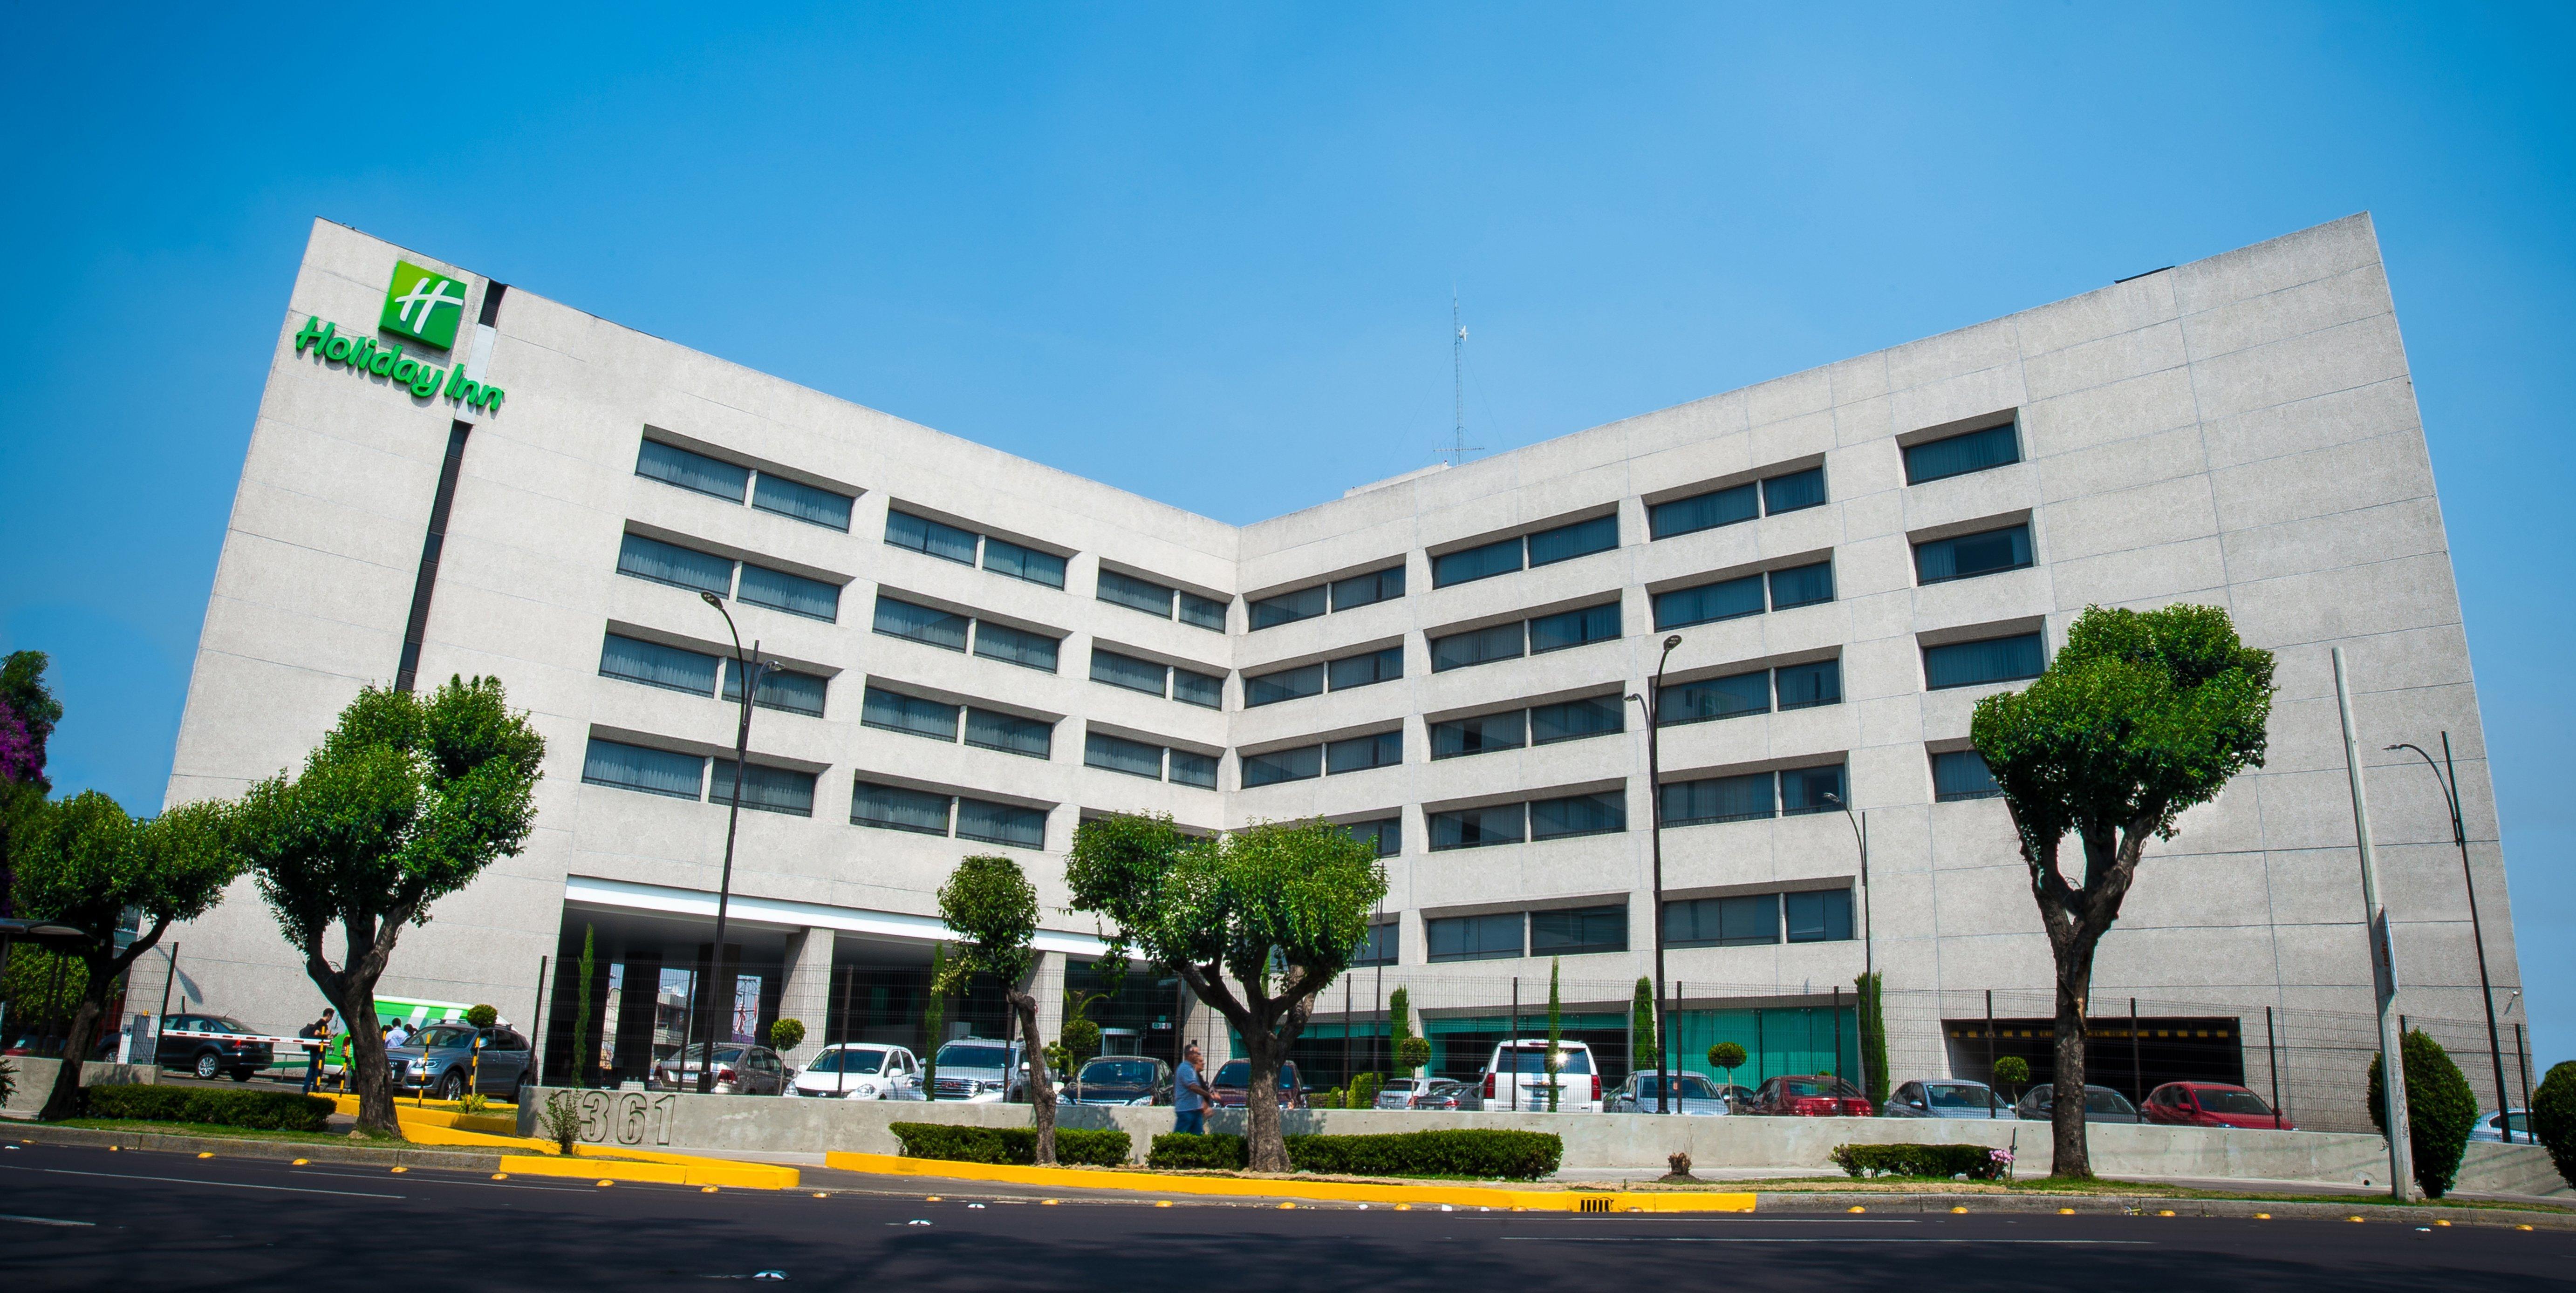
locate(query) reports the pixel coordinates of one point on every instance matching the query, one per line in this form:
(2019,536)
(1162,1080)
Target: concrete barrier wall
(755,1124)
(36,1080)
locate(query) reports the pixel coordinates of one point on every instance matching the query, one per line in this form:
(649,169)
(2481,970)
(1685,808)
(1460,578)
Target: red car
(1234,1077)
(2211,1104)
(1819,1096)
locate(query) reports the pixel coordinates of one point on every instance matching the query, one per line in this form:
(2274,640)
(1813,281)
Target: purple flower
(21,759)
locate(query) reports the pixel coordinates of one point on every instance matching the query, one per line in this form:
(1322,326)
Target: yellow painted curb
(686,1171)
(1465,1196)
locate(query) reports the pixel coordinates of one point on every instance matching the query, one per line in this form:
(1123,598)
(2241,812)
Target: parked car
(1820,1095)
(1517,1077)
(2211,1104)
(203,1046)
(980,1070)
(859,1071)
(1693,1095)
(1233,1081)
(1428,1093)
(1739,1099)
(1945,1098)
(740,1070)
(1121,1079)
(2491,1126)
(2101,1104)
(442,1059)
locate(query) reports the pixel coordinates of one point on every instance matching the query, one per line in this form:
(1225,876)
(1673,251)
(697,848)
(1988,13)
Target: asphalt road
(88,1218)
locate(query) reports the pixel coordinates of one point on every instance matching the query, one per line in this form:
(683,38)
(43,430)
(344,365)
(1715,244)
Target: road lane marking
(227,1185)
(44,1221)
(1786,1239)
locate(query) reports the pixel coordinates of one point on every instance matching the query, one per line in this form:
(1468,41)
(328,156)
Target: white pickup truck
(1518,1077)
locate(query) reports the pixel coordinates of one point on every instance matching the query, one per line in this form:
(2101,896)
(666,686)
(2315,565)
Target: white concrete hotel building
(981,651)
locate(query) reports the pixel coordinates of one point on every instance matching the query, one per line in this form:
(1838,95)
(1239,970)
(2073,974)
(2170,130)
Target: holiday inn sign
(424,306)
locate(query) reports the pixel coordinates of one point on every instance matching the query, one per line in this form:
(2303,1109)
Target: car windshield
(1686,1086)
(1136,1072)
(1835,1088)
(2236,1102)
(1239,1073)
(2105,1100)
(971,1055)
(848,1062)
(1959,1097)
(429,1038)
(226,1023)
(1533,1059)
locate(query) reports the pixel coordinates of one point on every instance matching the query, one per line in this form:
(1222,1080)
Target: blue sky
(1206,253)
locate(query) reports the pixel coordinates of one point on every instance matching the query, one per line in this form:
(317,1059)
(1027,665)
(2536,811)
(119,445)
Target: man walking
(318,1032)
(1190,1095)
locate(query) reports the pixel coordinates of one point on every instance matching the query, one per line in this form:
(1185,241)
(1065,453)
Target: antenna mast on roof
(1458,448)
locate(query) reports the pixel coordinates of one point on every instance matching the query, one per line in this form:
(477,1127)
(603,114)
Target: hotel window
(1752,920)
(1805,686)
(1972,664)
(784,690)
(656,665)
(896,712)
(1720,799)
(1360,753)
(1299,764)
(1474,938)
(1581,539)
(1386,835)
(1198,688)
(1127,671)
(1003,557)
(902,619)
(1365,670)
(1812,790)
(1482,562)
(669,563)
(1725,600)
(1193,769)
(1708,511)
(1818,915)
(637,767)
(1015,646)
(1958,455)
(930,538)
(993,823)
(1202,612)
(1575,719)
(1470,828)
(692,471)
(1575,931)
(1570,815)
(794,594)
(1962,774)
(1288,608)
(1802,585)
(1793,492)
(1010,734)
(1970,555)
(1478,646)
(1573,628)
(1714,698)
(1482,734)
(897,809)
(1286,684)
(1135,594)
(1118,754)
(1369,589)
(802,502)
(764,789)
(1378,945)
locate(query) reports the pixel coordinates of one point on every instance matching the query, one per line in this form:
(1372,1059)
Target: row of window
(685,776)
(1514,729)
(1188,686)
(929,812)
(1792,492)
(1354,754)
(950,631)
(1565,816)
(1364,669)
(950,543)
(1798,686)
(696,672)
(669,563)
(1754,796)
(1751,920)
(1760,919)
(1161,600)
(1339,595)
(1526,637)
(1148,760)
(1745,595)
(941,721)
(717,478)
(1525,551)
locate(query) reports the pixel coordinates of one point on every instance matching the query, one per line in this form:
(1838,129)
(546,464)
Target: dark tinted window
(1202,612)
(1969,664)
(1807,790)
(1824,916)
(1359,753)
(1961,454)
(1566,542)
(1127,671)
(1470,828)
(794,594)
(669,563)
(1379,945)
(674,466)
(1118,754)
(804,502)
(1802,586)
(1796,490)
(767,789)
(1719,799)
(1724,600)
(1746,921)
(1140,594)
(1287,684)
(1194,769)
(1288,608)
(656,665)
(1962,774)
(1597,814)
(897,712)
(1804,686)
(780,689)
(1477,646)
(1729,697)
(1283,765)
(1005,558)
(1574,628)
(1476,563)
(993,823)
(1363,590)
(1705,511)
(930,538)
(1010,733)
(1575,719)
(1970,555)
(1479,735)
(1362,670)
(1198,688)
(1473,938)
(1581,929)
(1386,835)
(1015,646)
(920,623)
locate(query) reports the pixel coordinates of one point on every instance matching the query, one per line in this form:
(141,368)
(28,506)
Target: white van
(1517,1077)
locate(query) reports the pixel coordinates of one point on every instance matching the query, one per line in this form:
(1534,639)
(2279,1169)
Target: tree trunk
(2071,1154)
(1265,1146)
(1041,1086)
(64,1101)
(352,992)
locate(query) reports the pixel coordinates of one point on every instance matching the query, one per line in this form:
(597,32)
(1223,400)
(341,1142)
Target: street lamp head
(712,600)
(1673,641)
(1832,798)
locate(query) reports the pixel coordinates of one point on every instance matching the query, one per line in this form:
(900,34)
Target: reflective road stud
(2066,1212)
(2262,1216)
(1162,1203)
(400,1170)
(302,1162)
(604,1184)
(1959,1211)
(500,1176)
(1857,1208)
(706,1189)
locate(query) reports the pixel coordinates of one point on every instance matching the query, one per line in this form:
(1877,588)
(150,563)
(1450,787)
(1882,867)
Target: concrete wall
(1592,1141)
(36,1080)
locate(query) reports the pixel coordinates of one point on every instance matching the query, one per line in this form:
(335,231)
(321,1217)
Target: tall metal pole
(1868,940)
(2383,956)
(1990,1052)
(1653,703)
(2137,1068)
(2272,1061)
(749,673)
(1512,1043)
(537,1034)
(2450,785)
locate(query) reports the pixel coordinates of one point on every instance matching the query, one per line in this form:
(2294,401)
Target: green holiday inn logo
(424,305)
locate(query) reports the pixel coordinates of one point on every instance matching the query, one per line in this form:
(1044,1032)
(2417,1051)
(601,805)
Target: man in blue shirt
(1190,1095)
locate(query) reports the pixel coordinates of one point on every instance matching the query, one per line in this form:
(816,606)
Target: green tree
(406,801)
(84,863)
(40,984)
(1555,1061)
(786,1034)
(1871,1005)
(2012,1072)
(28,713)
(1643,1053)
(1078,1038)
(2142,715)
(934,1012)
(1399,1024)
(2441,1111)
(1256,924)
(994,910)
(2553,1117)
(584,1064)
(1728,1056)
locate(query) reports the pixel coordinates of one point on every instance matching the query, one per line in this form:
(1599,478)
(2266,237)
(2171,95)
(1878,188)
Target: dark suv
(203,1045)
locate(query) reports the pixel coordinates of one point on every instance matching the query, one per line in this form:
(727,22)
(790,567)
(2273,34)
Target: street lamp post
(749,672)
(2450,785)
(1653,704)
(1868,927)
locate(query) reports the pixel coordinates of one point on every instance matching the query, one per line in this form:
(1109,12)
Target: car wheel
(452,1086)
(207,1066)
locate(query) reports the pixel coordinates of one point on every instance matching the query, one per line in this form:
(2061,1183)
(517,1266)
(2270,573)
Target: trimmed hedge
(257,1110)
(2441,1111)
(2553,1117)
(1016,1146)
(1482,1155)
(1976,1162)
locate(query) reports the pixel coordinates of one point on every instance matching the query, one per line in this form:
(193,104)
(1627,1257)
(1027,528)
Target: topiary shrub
(1483,1155)
(1009,1145)
(254,1110)
(482,1016)
(1174,1152)
(787,1034)
(1976,1162)
(2553,1117)
(1413,1054)
(2440,1110)
(2011,1071)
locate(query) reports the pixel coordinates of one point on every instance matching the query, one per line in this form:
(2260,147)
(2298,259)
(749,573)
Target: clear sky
(1206,253)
